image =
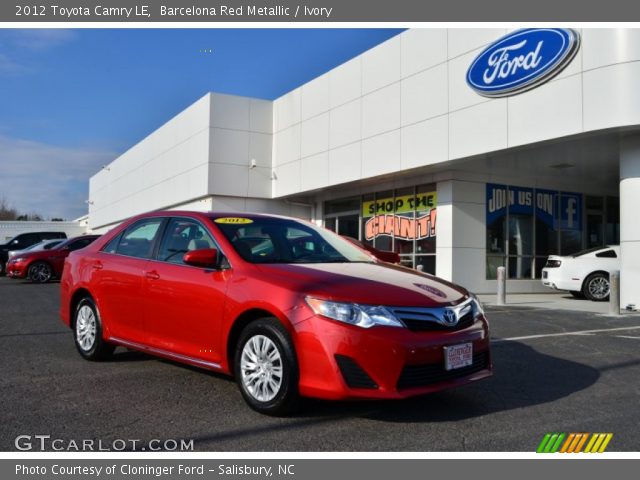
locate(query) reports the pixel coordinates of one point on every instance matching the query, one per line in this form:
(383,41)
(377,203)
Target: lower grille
(353,374)
(414,376)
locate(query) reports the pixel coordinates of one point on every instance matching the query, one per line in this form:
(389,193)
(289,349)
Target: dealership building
(402,148)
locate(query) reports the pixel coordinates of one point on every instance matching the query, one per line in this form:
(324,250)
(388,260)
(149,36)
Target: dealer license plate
(458,356)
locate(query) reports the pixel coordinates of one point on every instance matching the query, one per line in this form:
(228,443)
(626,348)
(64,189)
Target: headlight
(16,260)
(364,316)
(553,264)
(478,309)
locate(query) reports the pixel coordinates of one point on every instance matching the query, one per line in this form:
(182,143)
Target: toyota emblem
(450,318)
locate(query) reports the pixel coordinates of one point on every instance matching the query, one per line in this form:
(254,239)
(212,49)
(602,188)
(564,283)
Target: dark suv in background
(24,240)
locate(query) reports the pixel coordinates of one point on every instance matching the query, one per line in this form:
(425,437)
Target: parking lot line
(561,334)
(627,336)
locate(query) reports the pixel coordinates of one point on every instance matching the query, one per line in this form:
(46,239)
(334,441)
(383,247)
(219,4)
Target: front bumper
(383,362)
(16,270)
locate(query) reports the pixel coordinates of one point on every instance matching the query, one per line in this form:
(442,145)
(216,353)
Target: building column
(629,224)
(444,230)
(461,234)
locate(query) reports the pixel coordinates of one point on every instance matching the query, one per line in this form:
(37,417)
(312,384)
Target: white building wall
(207,149)
(9,229)
(406,104)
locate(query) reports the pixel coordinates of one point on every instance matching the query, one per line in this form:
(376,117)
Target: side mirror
(204,257)
(65,248)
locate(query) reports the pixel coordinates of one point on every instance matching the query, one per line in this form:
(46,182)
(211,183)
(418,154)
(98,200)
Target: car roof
(212,215)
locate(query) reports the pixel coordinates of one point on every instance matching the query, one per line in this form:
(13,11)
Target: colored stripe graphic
(543,443)
(578,448)
(574,442)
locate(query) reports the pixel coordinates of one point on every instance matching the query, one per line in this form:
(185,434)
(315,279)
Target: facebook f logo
(570,211)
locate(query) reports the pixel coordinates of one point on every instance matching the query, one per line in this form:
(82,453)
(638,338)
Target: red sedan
(42,266)
(286,307)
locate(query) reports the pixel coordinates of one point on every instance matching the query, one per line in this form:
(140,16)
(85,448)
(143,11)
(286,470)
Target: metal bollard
(502,286)
(614,293)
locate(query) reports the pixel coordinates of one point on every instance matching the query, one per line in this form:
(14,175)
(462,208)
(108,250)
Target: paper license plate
(458,356)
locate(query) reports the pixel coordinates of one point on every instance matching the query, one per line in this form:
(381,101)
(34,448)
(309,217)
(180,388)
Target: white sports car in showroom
(585,273)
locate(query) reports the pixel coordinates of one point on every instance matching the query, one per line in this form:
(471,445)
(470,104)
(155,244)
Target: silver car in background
(43,245)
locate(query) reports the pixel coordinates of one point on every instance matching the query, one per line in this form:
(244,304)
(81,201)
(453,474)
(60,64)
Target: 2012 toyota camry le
(288,308)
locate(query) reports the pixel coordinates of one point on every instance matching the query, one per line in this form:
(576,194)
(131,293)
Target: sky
(73,100)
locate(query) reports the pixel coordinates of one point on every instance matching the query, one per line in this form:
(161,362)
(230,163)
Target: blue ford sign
(522,60)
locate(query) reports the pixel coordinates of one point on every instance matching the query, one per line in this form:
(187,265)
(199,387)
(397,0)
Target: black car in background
(24,240)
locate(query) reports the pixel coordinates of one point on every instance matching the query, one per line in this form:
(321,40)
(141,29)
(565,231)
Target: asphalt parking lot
(547,379)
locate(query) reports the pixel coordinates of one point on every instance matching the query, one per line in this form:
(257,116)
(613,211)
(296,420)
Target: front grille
(414,376)
(353,374)
(429,325)
(425,319)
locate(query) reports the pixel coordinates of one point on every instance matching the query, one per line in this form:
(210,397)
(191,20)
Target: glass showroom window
(496,220)
(401,220)
(526,225)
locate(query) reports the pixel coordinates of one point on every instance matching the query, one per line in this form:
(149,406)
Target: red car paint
(187,314)
(18,267)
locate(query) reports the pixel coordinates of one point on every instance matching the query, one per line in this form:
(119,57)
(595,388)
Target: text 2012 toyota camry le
(288,308)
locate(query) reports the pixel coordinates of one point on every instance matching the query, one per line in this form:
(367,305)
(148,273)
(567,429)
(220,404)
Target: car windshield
(280,240)
(35,246)
(49,244)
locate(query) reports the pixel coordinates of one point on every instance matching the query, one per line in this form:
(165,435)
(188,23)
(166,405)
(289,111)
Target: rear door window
(138,240)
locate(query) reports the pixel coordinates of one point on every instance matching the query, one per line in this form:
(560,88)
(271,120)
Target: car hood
(364,283)
(35,254)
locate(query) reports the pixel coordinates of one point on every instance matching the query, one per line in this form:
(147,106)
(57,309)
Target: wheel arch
(78,295)
(584,282)
(238,325)
(36,261)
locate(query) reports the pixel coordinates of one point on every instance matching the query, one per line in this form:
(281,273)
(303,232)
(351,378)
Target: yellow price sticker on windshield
(233,220)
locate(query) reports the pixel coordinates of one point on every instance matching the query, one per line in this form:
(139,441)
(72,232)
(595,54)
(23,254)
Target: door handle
(97,266)
(153,275)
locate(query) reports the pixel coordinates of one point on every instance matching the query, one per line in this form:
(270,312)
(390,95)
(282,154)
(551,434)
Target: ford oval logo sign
(522,60)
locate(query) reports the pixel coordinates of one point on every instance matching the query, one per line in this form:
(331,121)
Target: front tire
(266,368)
(596,287)
(87,332)
(40,272)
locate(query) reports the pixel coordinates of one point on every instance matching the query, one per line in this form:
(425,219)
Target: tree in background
(8,212)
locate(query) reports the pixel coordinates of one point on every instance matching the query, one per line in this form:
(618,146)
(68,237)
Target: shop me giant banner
(394,217)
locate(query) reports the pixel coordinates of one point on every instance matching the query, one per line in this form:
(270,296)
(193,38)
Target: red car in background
(41,266)
(288,308)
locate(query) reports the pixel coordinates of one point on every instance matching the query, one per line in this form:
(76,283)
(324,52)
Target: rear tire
(266,368)
(87,332)
(40,272)
(596,287)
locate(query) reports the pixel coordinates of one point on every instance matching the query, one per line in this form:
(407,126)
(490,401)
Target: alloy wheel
(599,288)
(40,273)
(85,328)
(261,368)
